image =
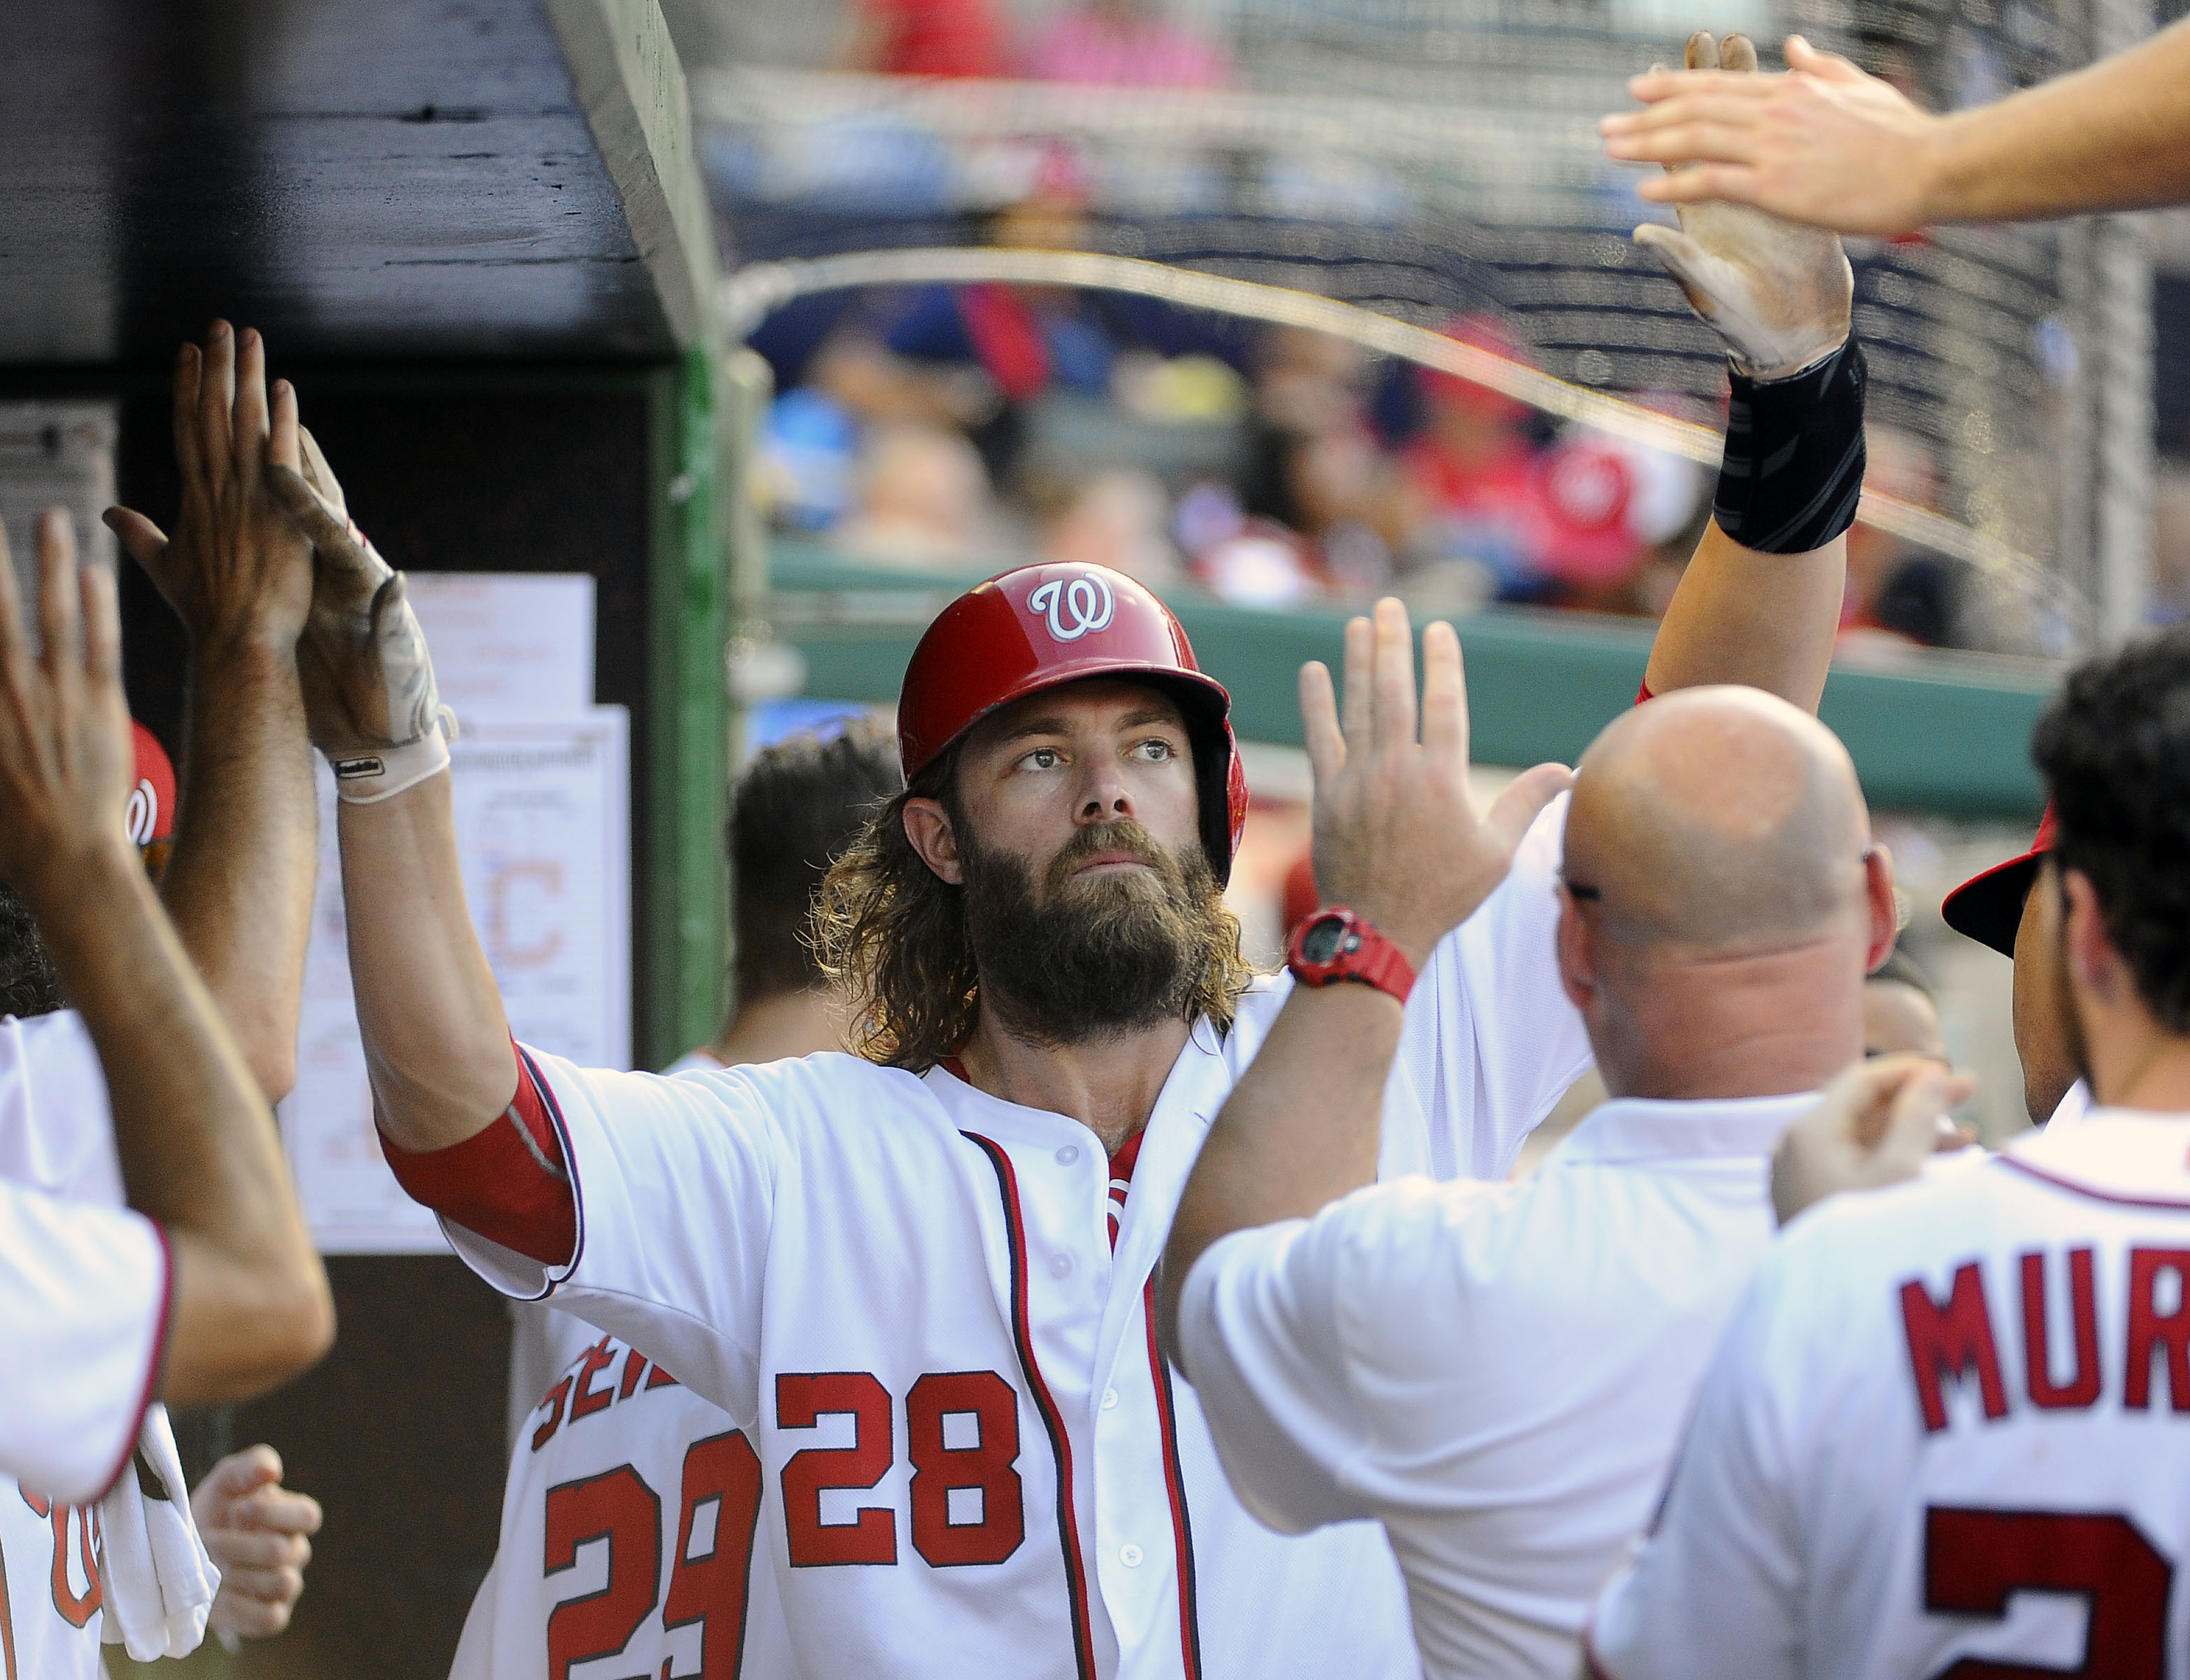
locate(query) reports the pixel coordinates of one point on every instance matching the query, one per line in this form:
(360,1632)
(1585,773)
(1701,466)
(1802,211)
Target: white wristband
(368,778)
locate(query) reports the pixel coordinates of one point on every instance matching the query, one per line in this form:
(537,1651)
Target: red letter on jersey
(940,1470)
(2151,1330)
(585,1399)
(711,1589)
(1946,1341)
(2081,1389)
(620,1508)
(801,1399)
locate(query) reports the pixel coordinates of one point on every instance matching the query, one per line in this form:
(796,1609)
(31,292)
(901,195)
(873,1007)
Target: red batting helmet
(1042,626)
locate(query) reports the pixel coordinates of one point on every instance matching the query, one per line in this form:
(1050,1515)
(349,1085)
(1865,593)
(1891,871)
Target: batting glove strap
(1792,472)
(367,778)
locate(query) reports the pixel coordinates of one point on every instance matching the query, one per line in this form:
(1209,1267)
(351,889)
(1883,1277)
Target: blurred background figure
(928,38)
(1897,592)
(1900,1011)
(920,497)
(1128,43)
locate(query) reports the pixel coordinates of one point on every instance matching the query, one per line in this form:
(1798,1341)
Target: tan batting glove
(369,700)
(1777,293)
(1873,1125)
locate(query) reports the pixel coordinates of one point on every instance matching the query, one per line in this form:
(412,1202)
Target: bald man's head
(1716,820)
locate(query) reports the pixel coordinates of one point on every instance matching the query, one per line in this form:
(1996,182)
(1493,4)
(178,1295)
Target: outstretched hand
(234,572)
(1873,1125)
(1825,144)
(1777,295)
(1398,838)
(65,751)
(368,679)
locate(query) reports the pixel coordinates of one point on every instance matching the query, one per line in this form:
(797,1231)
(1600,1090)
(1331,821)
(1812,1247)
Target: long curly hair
(893,937)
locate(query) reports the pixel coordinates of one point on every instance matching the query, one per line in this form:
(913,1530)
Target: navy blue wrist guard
(1792,472)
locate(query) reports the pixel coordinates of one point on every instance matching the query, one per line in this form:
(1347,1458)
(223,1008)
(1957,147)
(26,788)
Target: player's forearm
(239,886)
(2113,136)
(1767,620)
(436,1039)
(196,1139)
(1299,1131)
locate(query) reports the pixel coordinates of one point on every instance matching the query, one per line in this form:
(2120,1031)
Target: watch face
(1324,939)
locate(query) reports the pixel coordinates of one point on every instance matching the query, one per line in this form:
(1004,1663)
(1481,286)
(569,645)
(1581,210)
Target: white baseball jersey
(1948,1433)
(627,1535)
(904,1292)
(1497,1372)
(83,1304)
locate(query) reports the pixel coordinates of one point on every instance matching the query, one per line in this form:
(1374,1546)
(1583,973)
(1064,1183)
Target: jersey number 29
(710,1590)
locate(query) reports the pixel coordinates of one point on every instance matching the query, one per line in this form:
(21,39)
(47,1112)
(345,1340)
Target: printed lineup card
(543,825)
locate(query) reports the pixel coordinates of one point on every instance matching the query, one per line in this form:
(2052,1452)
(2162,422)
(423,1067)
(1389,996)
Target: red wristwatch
(1335,944)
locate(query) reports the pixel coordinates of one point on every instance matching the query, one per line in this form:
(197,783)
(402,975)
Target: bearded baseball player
(1944,1432)
(599,1410)
(918,1277)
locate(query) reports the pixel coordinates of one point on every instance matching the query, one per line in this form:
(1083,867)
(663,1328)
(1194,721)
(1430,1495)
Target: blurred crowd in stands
(962,427)
(967,427)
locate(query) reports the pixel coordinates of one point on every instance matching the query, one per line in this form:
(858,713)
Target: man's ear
(1885,913)
(2095,965)
(927,828)
(1577,963)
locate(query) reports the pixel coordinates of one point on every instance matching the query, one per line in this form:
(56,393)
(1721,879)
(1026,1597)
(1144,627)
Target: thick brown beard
(1095,957)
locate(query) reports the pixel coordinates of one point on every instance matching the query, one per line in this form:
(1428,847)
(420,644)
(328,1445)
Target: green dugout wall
(1941,733)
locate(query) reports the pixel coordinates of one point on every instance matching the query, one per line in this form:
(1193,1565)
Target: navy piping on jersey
(546,1093)
(1182,1527)
(1068,1527)
(2170,1204)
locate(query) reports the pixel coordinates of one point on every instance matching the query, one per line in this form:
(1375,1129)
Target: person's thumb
(1826,66)
(147,544)
(1701,276)
(1524,800)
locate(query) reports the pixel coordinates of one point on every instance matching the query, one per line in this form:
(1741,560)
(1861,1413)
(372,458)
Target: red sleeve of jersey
(1643,692)
(508,1184)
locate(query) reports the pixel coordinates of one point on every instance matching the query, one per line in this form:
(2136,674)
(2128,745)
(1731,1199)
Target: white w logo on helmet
(1075,608)
(144,815)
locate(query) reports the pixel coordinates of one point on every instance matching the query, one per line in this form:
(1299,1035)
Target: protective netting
(1433,162)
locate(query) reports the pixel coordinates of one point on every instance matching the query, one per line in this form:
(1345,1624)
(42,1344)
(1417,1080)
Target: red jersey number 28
(709,1590)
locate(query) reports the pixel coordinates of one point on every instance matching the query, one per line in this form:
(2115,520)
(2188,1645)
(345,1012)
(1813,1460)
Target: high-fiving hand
(65,752)
(370,699)
(235,570)
(1825,144)
(1398,838)
(1778,295)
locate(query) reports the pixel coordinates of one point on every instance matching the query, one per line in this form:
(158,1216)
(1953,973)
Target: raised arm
(1759,603)
(249,1303)
(1829,145)
(437,1041)
(1399,842)
(239,575)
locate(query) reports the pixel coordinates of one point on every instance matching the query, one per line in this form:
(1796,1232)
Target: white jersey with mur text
(1949,1433)
(628,1532)
(83,1302)
(904,1292)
